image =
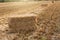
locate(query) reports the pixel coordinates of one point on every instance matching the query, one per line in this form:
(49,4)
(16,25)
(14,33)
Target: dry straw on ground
(44,25)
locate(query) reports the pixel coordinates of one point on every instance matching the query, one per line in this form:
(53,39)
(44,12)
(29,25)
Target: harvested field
(30,21)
